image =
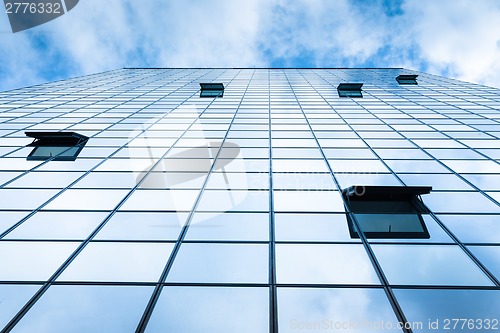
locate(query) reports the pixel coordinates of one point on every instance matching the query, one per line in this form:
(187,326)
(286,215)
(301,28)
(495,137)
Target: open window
(387,211)
(58,146)
(212,90)
(350,90)
(407,79)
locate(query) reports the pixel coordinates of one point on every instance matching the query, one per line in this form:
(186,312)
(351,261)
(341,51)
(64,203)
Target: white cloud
(463,36)
(329,32)
(448,37)
(176,34)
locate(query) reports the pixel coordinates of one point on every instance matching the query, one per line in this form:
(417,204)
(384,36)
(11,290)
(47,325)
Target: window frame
(212,90)
(54,140)
(390,195)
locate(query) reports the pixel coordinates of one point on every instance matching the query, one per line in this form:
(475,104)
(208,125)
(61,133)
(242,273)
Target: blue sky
(454,38)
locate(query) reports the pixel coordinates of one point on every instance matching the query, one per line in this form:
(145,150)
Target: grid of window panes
(188,214)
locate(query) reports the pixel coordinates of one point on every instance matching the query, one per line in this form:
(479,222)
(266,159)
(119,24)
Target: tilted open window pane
(407,79)
(58,146)
(387,211)
(350,90)
(212,90)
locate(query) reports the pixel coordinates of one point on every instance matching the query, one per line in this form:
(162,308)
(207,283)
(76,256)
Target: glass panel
(143,226)
(82,309)
(296,152)
(489,257)
(60,225)
(78,165)
(299,165)
(473,228)
(460,202)
(324,264)
(174,180)
(472,166)
(237,263)
(32,261)
(353,166)
(12,298)
(402,153)
(494,195)
(12,199)
(343,310)
(7,176)
(169,200)
(46,179)
(312,227)
(429,265)
(238,181)
(61,153)
(437,181)
(436,309)
(8,219)
(229,226)
(400,226)
(107,179)
(211,310)
(416,166)
(87,199)
(312,181)
(348,153)
(379,179)
(308,201)
(119,262)
(233,200)
(434,234)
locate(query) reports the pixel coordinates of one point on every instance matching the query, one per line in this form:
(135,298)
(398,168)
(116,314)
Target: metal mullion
(273,290)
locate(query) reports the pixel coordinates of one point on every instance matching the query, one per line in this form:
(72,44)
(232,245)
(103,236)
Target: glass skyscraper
(273,201)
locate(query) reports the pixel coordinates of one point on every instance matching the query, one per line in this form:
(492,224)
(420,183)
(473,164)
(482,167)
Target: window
(350,90)
(58,146)
(212,90)
(387,211)
(407,79)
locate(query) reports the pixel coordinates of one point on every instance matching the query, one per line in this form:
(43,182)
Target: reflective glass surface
(87,309)
(229,226)
(32,261)
(13,297)
(429,265)
(442,310)
(143,226)
(57,225)
(308,201)
(489,257)
(473,228)
(225,214)
(8,219)
(211,309)
(312,227)
(119,262)
(324,264)
(344,310)
(231,263)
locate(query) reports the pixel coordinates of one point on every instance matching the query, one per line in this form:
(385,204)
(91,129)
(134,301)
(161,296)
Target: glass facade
(226,214)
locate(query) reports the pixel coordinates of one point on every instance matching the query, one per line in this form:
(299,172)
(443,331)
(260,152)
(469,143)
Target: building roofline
(263,68)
